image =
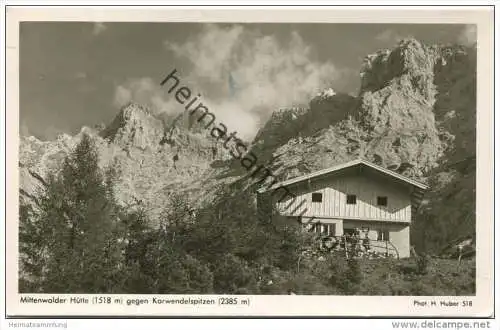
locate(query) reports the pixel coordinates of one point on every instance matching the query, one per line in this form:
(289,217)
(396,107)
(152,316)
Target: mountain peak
(410,57)
(134,126)
(329,92)
(133,108)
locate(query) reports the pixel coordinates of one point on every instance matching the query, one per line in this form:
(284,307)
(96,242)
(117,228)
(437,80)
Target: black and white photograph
(248,158)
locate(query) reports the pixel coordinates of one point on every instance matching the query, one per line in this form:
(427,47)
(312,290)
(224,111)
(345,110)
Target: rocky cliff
(415,114)
(151,159)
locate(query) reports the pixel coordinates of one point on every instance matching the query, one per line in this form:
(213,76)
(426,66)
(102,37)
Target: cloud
(146,92)
(211,51)
(99,28)
(242,75)
(468,36)
(390,37)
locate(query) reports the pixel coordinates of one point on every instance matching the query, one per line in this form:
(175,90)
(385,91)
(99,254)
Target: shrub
(232,275)
(200,278)
(307,283)
(422,264)
(352,277)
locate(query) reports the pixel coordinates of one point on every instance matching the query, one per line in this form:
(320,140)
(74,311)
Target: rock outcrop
(148,170)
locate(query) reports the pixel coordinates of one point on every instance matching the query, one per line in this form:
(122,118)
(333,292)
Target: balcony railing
(358,247)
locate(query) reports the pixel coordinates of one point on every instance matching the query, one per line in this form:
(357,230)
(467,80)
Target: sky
(81,73)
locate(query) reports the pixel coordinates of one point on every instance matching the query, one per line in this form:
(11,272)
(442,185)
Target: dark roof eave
(333,169)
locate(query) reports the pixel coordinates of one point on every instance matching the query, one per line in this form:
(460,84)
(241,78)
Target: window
(331,229)
(382,200)
(317,197)
(382,235)
(351,199)
(322,228)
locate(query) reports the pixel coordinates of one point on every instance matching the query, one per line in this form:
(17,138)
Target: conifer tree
(79,225)
(31,255)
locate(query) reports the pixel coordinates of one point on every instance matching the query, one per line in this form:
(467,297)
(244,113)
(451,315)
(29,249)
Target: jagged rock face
(131,145)
(398,111)
(451,203)
(390,123)
(136,127)
(283,125)
(297,127)
(39,158)
(328,108)
(409,57)
(455,106)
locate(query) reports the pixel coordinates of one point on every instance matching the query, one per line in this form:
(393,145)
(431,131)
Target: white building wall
(334,200)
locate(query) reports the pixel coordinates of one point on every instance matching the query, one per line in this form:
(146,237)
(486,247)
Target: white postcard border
(482,303)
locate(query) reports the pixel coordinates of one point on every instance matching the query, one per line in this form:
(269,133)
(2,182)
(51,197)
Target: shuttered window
(382,200)
(317,197)
(351,199)
(383,235)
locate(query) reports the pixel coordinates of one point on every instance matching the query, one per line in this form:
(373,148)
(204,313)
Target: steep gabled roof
(339,167)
